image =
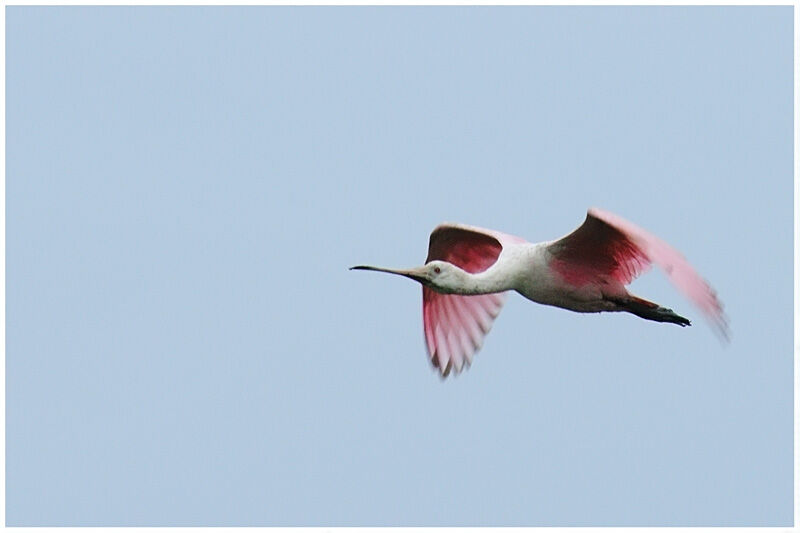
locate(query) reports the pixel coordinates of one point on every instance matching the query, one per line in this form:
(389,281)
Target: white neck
(494,279)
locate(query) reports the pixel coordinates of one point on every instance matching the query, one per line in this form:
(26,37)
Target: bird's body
(469,270)
(523,267)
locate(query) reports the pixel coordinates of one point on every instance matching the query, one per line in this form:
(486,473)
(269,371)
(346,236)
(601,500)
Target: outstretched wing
(454,324)
(608,245)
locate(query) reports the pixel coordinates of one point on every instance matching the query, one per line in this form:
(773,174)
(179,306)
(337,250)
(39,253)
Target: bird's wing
(608,245)
(454,324)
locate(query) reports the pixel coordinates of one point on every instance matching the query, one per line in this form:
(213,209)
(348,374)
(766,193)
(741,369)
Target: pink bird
(469,270)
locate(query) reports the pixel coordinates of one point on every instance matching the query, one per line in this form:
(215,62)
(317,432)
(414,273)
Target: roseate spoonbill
(469,269)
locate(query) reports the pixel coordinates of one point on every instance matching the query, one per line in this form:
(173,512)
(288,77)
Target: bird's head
(439,275)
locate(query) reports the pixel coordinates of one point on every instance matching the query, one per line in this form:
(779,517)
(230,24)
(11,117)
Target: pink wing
(454,324)
(608,245)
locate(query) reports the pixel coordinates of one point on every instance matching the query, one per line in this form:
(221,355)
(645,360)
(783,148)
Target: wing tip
(721,328)
(446,369)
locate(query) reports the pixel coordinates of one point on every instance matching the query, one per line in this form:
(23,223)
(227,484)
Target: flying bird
(469,271)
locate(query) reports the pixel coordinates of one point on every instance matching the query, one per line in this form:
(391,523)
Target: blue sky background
(186,188)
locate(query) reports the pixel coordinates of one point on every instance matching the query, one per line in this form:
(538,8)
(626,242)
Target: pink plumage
(650,248)
(455,324)
(469,269)
(597,249)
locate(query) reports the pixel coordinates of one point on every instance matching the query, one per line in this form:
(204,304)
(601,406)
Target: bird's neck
(489,281)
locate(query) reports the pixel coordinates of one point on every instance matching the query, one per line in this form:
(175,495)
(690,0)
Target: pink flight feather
(607,244)
(455,325)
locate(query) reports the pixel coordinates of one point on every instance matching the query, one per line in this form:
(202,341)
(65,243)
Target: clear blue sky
(186,189)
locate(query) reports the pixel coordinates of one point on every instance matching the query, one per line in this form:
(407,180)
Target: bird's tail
(652,311)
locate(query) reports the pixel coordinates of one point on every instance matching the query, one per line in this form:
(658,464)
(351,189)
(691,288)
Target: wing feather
(454,324)
(677,268)
(608,245)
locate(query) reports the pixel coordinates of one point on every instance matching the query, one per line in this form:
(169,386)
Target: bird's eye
(437,270)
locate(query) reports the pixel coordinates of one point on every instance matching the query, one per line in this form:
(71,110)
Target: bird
(469,271)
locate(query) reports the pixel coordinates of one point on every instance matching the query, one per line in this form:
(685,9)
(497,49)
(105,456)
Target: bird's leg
(649,310)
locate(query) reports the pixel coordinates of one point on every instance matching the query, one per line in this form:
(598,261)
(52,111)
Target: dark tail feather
(651,311)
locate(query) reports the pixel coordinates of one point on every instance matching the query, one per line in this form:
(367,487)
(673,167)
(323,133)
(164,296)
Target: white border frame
(796,241)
